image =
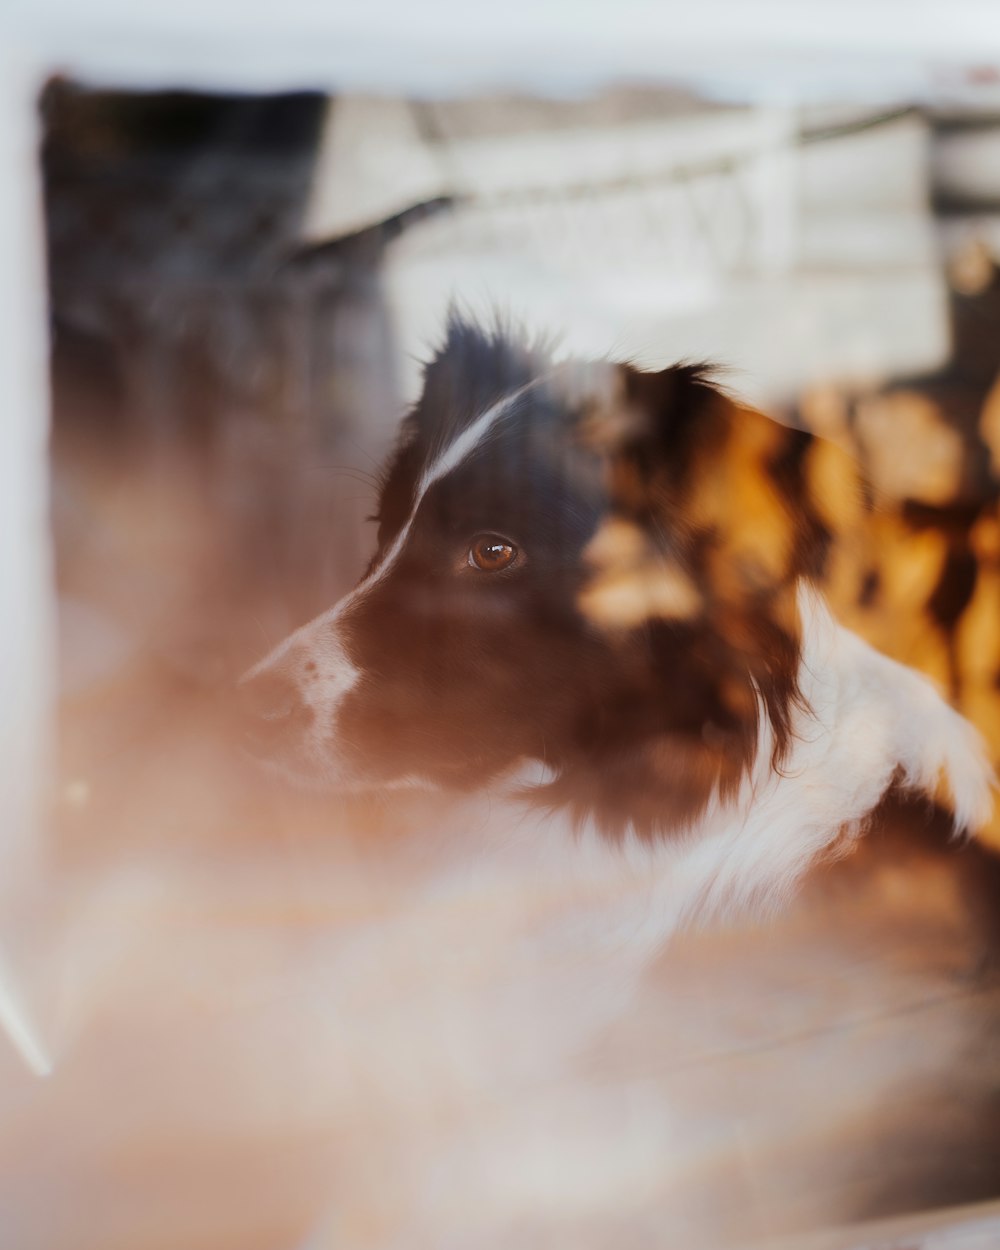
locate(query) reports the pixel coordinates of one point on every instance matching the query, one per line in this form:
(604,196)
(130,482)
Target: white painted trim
(27,607)
(434,47)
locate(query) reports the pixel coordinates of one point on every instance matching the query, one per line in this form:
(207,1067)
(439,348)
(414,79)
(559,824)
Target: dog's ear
(739,500)
(716,512)
(473,367)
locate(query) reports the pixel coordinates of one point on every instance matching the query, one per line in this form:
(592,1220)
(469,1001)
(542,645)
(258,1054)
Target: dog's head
(579,564)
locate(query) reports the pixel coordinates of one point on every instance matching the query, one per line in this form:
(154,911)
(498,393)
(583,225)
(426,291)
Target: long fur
(660,647)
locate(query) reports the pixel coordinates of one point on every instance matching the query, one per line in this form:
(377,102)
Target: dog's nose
(271,705)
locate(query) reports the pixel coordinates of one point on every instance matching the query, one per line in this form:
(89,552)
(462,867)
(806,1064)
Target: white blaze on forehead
(458,450)
(317,641)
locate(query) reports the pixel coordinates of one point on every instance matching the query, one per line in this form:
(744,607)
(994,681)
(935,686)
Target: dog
(614,580)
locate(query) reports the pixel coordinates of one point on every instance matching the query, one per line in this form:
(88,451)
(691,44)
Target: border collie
(613,576)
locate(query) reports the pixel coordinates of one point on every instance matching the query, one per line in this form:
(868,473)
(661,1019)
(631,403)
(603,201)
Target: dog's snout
(271,704)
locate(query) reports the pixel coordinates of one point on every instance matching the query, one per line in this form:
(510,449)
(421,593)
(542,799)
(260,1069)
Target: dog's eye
(490,553)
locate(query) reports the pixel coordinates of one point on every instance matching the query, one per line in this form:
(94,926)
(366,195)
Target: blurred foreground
(277,1020)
